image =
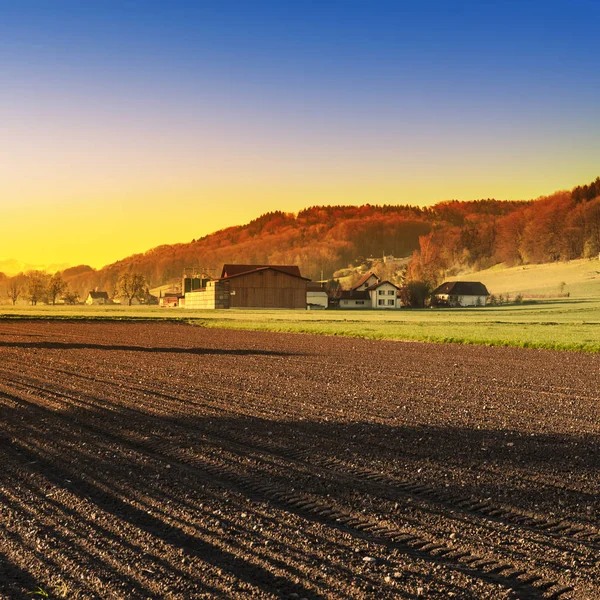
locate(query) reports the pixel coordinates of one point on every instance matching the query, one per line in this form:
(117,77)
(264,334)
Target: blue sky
(231,109)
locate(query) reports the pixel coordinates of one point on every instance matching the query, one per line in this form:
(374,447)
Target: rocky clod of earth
(161,460)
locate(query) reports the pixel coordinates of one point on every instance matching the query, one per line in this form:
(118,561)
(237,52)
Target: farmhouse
(460,293)
(370,292)
(252,286)
(97,298)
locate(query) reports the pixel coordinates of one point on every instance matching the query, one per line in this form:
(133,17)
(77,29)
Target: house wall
(95,301)
(472,300)
(358,304)
(214,295)
(267,289)
(387,294)
(319,298)
(463,300)
(169,302)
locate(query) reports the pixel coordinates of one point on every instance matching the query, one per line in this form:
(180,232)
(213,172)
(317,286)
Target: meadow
(559,324)
(577,278)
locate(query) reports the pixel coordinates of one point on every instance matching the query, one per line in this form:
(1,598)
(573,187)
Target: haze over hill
(441,239)
(12,266)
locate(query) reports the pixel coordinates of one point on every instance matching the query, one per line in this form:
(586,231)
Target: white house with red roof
(370,292)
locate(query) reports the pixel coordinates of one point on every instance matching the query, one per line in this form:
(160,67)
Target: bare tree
(56,286)
(13,290)
(36,283)
(130,286)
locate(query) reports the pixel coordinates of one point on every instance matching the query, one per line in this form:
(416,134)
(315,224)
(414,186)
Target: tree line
(40,287)
(561,227)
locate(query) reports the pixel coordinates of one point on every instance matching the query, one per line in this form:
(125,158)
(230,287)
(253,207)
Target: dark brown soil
(166,461)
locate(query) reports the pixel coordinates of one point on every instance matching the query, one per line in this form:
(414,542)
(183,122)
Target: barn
(265,286)
(460,293)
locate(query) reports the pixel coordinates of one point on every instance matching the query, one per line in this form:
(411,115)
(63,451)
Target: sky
(130,124)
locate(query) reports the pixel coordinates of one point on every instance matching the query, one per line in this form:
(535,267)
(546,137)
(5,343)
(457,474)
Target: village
(284,287)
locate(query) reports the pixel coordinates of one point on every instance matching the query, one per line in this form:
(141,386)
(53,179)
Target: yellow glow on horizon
(109,224)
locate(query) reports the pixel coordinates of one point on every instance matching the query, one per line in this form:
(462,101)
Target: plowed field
(156,460)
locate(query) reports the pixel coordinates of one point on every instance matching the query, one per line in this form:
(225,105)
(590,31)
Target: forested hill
(563,226)
(321,238)
(453,234)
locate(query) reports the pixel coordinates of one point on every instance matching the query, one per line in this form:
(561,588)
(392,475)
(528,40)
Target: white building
(460,293)
(316,296)
(369,292)
(97,298)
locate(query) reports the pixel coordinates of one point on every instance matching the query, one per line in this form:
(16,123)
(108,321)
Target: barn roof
(364,279)
(98,295)
(462,288)
(230,271)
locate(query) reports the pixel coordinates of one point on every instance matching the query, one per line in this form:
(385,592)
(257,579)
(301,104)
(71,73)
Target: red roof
(230,271)
(364,279)
(379,284)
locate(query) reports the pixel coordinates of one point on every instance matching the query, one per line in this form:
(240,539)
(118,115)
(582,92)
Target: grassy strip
(580,339)
(556,325)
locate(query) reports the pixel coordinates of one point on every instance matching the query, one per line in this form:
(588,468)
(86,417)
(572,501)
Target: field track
(157,460)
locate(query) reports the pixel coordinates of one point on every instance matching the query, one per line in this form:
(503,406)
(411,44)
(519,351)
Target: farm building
(252,286)
(97,298)
(214,294)
(370,292)
(316,296)
(265,286)
(460,293)
(169,300)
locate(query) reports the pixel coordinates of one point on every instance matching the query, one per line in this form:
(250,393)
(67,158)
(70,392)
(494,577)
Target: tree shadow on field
(545,471)
(15,582)
(151,349)
(127,460)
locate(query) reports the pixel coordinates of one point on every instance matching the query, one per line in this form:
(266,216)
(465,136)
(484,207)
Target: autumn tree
(426,264)
(36,285)
(509,238)
(414,293)
(71,297)
(130,286)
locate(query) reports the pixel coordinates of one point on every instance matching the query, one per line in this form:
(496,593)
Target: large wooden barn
(251,286)
(265,286)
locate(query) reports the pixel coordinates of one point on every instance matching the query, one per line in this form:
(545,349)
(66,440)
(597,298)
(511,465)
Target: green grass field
(565,324)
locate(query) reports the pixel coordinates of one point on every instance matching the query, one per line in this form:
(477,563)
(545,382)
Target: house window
(390,303)
(344,301)
(391,292)
(381,292)
(381,302)
(360,302)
